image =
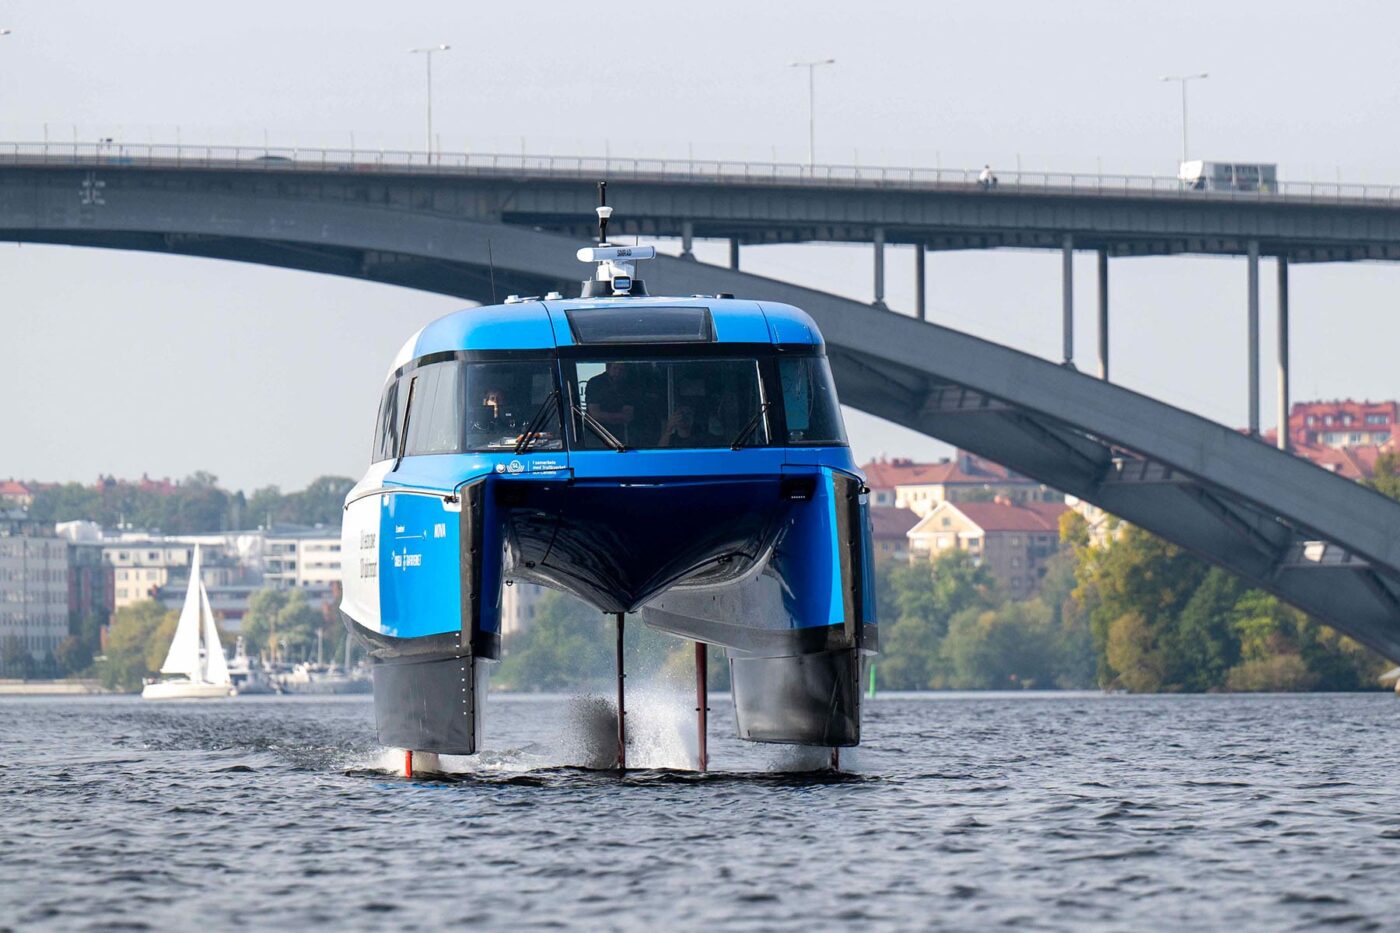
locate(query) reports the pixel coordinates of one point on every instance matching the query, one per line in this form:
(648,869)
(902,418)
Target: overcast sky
(127,363)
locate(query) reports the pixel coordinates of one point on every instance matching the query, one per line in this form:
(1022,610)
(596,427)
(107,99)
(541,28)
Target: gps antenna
(604,212)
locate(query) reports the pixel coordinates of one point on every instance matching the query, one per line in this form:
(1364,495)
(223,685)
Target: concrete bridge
(1320,542)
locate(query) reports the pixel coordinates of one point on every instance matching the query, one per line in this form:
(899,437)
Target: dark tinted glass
(641,324)
(386,430)
(502,399)
(670,403)
(809,397)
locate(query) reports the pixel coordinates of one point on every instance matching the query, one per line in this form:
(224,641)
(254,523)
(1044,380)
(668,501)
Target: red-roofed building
(1343,423)
(1011,539)
(1353,463)
(889,529)
(920,487)
(15,495)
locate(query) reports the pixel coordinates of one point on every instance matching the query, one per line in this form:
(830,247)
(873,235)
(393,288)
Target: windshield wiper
(608,437)
(749,428)
(532,430)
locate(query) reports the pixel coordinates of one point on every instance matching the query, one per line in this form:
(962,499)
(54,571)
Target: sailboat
(195,668)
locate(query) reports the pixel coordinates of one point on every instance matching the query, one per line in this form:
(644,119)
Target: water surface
(1034,811)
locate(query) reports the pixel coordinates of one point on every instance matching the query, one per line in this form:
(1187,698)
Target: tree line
(195,505)
(1133,613)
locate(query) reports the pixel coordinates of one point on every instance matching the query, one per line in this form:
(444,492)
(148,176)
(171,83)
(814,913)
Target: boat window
(386,430)
(670,403)
(435,419)
(809,399)
(468,407)
(502,399)
(641,324)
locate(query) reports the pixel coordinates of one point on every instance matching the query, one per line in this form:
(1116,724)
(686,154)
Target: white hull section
(185,690)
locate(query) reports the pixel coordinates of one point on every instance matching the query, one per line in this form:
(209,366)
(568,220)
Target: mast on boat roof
(615,275)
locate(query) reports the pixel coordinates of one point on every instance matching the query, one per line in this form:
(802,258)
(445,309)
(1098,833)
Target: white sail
(183,657)
(215,667)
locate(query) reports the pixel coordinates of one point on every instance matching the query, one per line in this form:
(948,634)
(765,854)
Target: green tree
(15,658)
(1074,642)
(297,624)
(130,645)
(1131,653)
(1138,585)
(73,656)
(1204,644)
(1270,651)
(1011,647)
(571,645)
(158,642)
(282,625)
(260,621)
(1387,476)
(925,599)
(319,503)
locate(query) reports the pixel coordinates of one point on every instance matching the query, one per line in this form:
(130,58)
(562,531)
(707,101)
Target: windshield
(503,399)
(670,403)
(451,407)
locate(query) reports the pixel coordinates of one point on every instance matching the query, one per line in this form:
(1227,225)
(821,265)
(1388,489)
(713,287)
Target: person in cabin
(610,399)
(685,427)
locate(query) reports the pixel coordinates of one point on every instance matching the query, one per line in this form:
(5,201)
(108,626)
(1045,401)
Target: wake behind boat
(195,666)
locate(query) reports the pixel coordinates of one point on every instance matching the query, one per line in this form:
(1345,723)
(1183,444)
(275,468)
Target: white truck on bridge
(1200,175)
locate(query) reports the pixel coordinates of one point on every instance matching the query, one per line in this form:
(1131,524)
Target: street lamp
(427,52)
(1183,80)
(812,67)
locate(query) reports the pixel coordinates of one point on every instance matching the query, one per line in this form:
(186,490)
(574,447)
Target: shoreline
(64,687)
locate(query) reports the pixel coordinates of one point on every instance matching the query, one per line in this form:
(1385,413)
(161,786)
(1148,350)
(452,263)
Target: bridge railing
(709,171)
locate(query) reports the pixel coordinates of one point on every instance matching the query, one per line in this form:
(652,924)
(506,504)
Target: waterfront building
(91,586)
(1342,423)
(230,602)
(921,487)
(889,531)
(301,558)
(33,591)
(141,567)
(1013,540)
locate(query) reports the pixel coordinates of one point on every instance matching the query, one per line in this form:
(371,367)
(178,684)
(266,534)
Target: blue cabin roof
(544,325)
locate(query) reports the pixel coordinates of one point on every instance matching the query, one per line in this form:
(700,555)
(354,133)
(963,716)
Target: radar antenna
(615,276)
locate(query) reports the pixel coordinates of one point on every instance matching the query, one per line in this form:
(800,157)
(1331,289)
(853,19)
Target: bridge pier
(687,239)
(1283,400)
(1253,351)
(879,301)
(734,252)
(920,298)
(1103,314)
(1067,285)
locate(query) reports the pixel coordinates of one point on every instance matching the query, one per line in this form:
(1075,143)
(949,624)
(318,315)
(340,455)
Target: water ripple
(1051,812)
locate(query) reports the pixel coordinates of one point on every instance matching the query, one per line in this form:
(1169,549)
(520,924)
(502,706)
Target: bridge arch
(1318,541)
